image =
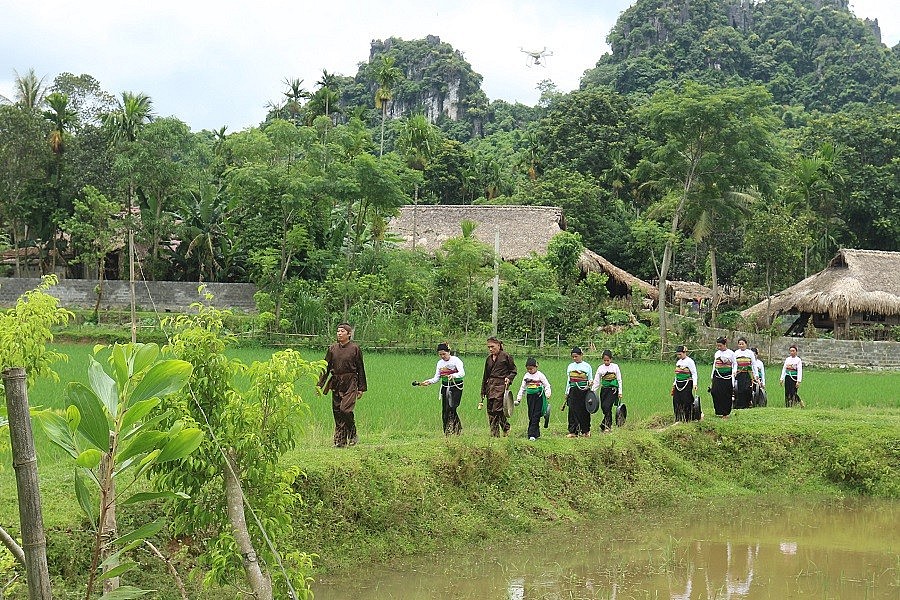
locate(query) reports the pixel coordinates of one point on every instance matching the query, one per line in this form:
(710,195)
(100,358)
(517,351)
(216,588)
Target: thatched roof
(523,229)
(689,290)
(864,281)
(592,262)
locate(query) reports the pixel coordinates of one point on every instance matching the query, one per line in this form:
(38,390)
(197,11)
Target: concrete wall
(165,296)
(819,351)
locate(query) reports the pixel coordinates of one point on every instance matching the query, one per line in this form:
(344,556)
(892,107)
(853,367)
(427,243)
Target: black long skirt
(722,391)
(743,393)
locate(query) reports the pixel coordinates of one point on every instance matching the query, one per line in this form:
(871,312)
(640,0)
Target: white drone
(536,58)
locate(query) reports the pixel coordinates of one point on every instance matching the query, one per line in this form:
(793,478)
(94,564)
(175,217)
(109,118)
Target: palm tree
(386,75)
(30,91)
(294,96)
(62,117)
(133,112)
(123,125)
(418,141)
(705,215)
(328,82)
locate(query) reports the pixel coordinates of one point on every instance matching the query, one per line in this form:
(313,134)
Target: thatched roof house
(620,281)
(523,230)
(688,290)
(858,287)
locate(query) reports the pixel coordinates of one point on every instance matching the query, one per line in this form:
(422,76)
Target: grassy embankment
(407,489)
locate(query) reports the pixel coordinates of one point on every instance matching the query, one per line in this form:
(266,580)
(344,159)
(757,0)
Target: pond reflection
(739,550)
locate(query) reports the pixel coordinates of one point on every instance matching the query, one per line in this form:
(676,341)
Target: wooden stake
(31,519)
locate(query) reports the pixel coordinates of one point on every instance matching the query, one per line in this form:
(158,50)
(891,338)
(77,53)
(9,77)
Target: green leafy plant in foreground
(113,430)
(253,413)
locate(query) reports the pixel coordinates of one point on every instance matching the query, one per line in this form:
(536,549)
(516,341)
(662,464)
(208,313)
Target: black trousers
(609,397)
(535,412)
(579,417)
(450,399)
(791,398)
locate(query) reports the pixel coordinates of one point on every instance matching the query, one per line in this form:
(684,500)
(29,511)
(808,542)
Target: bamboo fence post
(31,519)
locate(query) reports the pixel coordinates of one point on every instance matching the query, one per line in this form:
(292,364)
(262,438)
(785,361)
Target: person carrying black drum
(579,374)
(608,380)
(684,387)
(537,391)
(450,372)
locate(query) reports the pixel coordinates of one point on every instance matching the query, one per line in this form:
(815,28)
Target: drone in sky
(536,58)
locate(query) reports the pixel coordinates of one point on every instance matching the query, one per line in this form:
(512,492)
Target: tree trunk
(34,543)
(259,581)
(109,528)
(715,285)
(15,236)
(101,267)
(661,303)
(131,263)
(383,117)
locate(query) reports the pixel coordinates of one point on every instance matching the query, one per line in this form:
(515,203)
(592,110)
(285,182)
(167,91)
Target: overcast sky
(214,63)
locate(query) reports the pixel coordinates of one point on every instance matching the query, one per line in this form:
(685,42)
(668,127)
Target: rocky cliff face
(437,79)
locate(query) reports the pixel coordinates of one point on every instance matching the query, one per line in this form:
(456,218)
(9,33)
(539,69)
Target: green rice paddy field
(394,410)
(412,480)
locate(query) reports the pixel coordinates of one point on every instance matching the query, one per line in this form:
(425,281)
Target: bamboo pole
(31,519)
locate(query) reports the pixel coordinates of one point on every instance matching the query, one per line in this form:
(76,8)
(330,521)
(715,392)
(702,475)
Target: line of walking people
(586,391)
(737,380)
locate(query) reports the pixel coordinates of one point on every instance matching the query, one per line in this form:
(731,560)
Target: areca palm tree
(63,118)
(387,75)
(418,141)
(132,113)
(123,125)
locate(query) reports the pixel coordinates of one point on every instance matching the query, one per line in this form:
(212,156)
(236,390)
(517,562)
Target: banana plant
(111,429)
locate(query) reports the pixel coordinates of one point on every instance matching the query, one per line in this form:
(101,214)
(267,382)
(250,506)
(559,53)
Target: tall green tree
(29,90)
(464,270)
(707,219)
(776,242)
(23,156)
(96,228)
(387,75)
(123,126)
(418,143)
(700,139)
(165,158)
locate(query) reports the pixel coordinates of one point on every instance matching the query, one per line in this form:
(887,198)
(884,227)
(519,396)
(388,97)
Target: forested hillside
(812,53)
(719,142)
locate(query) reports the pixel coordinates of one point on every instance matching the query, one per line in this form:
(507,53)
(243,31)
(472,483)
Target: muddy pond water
(743,549)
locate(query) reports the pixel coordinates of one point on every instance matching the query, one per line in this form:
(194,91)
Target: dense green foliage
(300,204)
(813,54)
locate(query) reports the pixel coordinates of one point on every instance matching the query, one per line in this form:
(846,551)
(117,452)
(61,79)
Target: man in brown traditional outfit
(345,376)
(499,372)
